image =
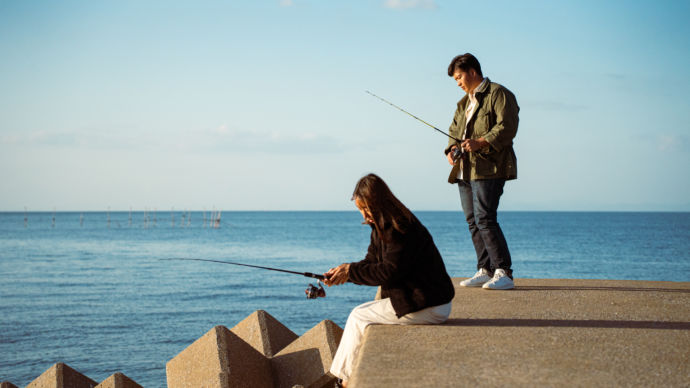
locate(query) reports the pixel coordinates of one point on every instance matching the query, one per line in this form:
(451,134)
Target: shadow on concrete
(299,367)
(587,288)
(310,356)
(608,324)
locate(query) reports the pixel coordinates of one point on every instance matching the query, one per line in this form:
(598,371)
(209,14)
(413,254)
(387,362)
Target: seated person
(403,259)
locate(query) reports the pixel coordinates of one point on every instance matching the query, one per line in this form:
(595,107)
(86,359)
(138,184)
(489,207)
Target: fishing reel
(458,153)
(313,292)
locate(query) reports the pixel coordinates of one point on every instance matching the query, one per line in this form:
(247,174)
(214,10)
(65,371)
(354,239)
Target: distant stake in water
(312,291)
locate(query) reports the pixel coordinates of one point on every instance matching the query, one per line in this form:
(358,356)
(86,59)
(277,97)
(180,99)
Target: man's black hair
(464,62)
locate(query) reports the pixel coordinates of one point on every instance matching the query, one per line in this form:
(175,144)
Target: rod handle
(315,276)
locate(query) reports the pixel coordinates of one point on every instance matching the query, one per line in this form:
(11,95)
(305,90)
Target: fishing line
(305,274)
(312,291)
(403,110)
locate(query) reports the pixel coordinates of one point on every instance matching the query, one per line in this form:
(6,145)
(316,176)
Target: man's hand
(471,145)
(449,155)
(337,275)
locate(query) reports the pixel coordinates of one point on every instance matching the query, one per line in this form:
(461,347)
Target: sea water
(91,290)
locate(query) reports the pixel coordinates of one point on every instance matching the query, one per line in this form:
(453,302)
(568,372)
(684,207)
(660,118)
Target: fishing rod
(305,274)
(458,151)
(312,292)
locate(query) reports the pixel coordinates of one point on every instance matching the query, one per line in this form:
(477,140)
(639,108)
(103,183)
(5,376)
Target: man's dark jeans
(479,200)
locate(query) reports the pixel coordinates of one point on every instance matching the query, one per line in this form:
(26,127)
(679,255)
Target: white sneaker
(481,277)
(500,281)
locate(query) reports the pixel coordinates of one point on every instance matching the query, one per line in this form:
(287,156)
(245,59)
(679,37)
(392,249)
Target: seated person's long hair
(384,207)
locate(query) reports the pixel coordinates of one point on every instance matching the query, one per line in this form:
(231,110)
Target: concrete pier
(545,332)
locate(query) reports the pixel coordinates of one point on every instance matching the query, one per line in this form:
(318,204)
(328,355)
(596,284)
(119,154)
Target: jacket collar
(482,88)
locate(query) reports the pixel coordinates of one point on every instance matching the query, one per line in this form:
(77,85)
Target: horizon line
(337,210)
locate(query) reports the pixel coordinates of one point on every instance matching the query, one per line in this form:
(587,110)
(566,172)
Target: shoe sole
(472,285)
(499,288)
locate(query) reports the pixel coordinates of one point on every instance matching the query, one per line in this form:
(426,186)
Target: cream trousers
(379,312)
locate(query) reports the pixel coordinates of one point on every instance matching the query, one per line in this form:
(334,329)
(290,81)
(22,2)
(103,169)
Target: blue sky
(262,106)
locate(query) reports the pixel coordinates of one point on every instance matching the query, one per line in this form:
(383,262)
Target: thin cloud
(63,138)
(669,142)
(410,4)
(286,3)
(216,139)
(225,138)
(39,137)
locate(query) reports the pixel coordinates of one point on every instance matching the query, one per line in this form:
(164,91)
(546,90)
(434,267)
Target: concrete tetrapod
(306,361)
(264,333)
(219,359)
(118,380)
(258,352)
(61,375)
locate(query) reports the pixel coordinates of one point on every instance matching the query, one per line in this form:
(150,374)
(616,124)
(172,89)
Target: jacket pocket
(481,124)
(485,166)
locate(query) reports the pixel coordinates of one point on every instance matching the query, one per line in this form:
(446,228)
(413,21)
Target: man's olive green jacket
(496,120)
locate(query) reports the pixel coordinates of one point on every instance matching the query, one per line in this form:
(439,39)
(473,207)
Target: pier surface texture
(545,332)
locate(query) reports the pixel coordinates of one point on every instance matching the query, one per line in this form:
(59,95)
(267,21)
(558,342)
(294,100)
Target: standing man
(486,122)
